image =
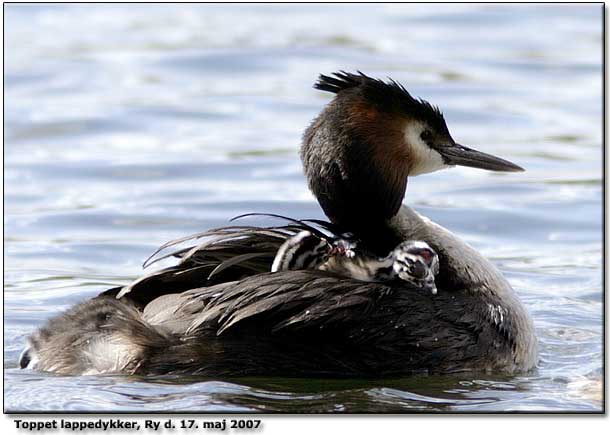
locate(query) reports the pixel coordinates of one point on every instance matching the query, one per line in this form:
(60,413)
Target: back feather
(225,254)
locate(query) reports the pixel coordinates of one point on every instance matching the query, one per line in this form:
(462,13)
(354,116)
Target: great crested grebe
(412,261)
(220,311)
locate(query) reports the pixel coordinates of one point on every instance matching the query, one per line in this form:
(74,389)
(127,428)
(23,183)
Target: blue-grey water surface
(127,126)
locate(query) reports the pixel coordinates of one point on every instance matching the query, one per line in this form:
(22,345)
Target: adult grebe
(219,312)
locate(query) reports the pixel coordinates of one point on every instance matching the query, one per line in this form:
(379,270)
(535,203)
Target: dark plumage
(287,323)
(308,323)
(318,325)
(223,254)
(389,96)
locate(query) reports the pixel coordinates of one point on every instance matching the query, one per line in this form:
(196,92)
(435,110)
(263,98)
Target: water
(127,126)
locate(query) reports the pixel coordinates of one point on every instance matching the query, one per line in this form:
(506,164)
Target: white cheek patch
(30,353)
(424,158)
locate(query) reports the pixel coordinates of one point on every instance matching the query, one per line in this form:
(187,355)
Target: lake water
(127,126)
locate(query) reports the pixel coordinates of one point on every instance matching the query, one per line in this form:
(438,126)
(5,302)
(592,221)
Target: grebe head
(305,250)
(302,251)
(416,262)
(360,150)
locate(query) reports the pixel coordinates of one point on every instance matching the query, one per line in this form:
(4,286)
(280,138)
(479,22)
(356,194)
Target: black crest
(386,96)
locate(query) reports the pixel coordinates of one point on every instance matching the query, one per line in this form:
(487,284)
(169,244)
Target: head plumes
(366,142)
(390,97)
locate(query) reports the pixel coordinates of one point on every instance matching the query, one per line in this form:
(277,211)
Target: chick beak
(456,154)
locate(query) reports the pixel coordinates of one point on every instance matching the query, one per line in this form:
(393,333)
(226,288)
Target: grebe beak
(456,154)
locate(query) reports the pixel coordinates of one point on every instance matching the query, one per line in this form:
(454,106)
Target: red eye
(426,136)
(426,254)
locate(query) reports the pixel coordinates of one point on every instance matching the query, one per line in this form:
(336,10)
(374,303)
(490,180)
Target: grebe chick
(414,262)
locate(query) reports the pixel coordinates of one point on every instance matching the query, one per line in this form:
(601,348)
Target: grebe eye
(426,136)
(426,254)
